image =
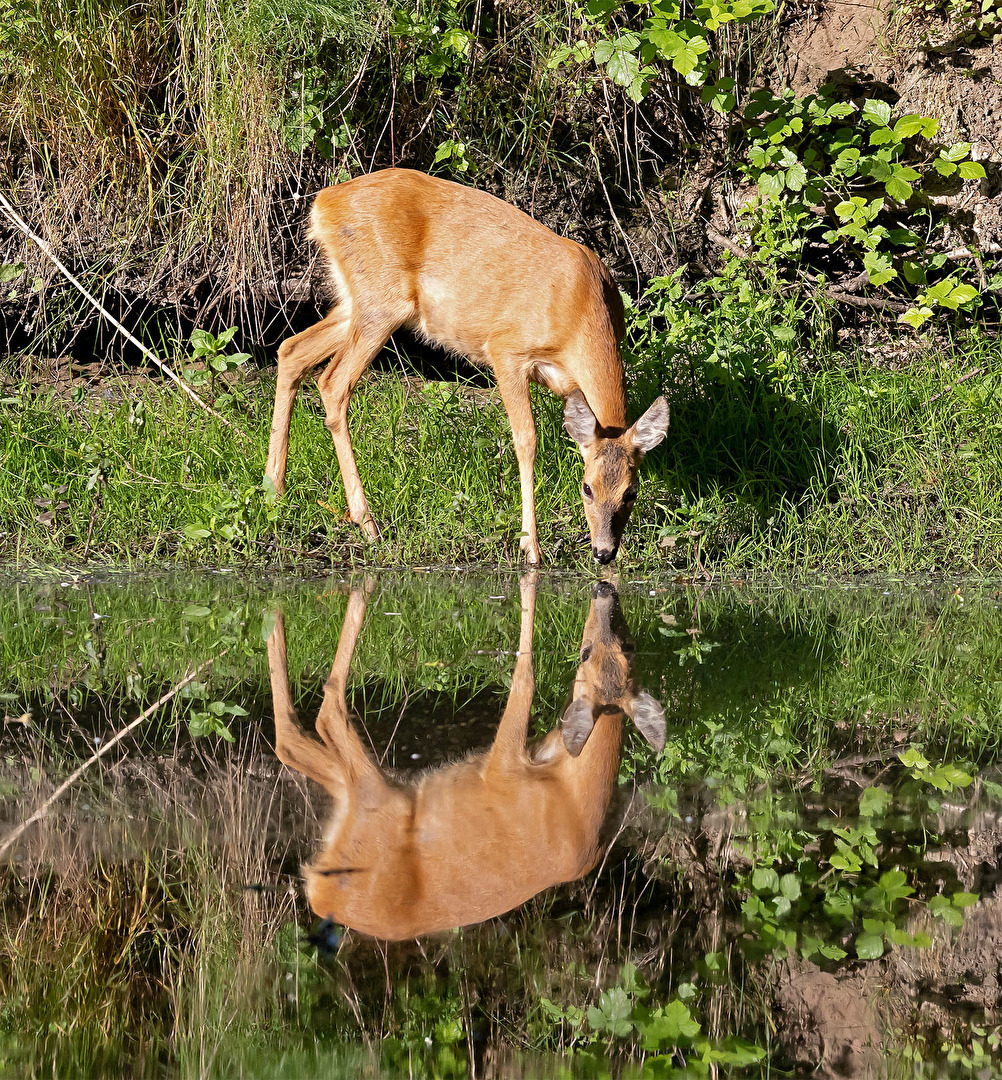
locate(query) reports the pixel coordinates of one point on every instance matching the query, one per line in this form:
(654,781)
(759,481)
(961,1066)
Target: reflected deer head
(476,838)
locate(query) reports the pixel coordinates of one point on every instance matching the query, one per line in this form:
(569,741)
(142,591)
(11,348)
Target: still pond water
(451,825)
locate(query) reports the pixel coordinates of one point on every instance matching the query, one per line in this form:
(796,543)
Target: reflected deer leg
(508,749)
(296,356)
(293,745)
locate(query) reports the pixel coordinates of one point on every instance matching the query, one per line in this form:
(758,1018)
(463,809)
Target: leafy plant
(870,175)
(668,40)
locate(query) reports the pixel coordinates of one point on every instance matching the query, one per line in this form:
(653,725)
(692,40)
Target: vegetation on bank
(831,362)
(840,464)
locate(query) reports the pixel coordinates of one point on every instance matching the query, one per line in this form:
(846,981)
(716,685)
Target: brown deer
(477,838)
(472,274)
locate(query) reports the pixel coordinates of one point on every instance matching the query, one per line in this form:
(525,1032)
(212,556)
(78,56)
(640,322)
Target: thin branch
(874,302)
(12,215)
(14,836)
(722,241)
(962,379)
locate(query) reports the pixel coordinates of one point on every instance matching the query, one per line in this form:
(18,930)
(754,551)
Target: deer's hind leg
(297,356)
(366,335)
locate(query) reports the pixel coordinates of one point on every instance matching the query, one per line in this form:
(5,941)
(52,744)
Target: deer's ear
(577,724)
(652,427)
(579,420)
(650,719)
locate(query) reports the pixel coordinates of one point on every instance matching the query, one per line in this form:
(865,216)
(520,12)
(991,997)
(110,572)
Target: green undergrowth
(776,462)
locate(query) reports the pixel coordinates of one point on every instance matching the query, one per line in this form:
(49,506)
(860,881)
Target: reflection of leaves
(612,1014)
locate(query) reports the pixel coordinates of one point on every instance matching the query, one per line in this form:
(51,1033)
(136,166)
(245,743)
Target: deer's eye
(587,491)
(630,495)
(585,653)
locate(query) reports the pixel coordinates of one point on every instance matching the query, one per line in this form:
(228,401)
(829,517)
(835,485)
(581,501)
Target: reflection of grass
(868,472)
(125,933)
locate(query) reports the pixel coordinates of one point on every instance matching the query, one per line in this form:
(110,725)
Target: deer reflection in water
(474,839)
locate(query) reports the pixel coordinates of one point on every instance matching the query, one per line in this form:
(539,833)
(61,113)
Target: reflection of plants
(815,891)
(668,1033)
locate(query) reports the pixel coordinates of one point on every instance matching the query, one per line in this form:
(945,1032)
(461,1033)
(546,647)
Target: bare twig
(946,390)
(14,836)
(722,241)
(15,219)
(874,302)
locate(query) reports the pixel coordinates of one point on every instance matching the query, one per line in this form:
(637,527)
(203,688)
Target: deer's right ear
(576,725)
(579,420)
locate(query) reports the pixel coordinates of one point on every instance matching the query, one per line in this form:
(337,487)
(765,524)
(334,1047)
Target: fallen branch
(15,219)
(722,241)
(14,836)
(874,302)
(962,379)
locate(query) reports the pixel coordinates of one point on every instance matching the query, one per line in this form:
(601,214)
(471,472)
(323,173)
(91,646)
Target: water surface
(448,825)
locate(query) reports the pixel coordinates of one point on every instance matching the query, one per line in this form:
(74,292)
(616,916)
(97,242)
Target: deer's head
(611,460)
(604,682)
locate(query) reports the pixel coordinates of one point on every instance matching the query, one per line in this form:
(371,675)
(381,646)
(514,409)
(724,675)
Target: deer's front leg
(514,387)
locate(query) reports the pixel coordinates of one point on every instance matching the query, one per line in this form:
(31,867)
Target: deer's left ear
(650,719)
(579,420)
(652,427)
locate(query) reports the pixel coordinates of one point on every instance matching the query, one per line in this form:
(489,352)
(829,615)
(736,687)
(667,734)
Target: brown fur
(472,274)
(471,840)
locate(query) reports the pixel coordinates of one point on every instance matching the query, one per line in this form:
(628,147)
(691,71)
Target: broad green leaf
(770,185)
(957,152)
(195,611)
(796,177)
(876,112)
(898,189)
(907,126)
(972,170)
(878,267)
(964,294)
(765,879)
(869,946)
(623,67)
(874,800)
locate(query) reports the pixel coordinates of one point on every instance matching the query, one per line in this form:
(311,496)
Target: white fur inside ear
(577,724)
(652,427)
(579,420)
(650,719)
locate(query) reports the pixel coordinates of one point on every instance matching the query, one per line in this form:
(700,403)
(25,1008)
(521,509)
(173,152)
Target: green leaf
(957,152)
(965,899)
(196,532)
(195,611)
(789,886)
(873,801)
(916,316)
(898,189)
(909,125)
(972,170)
(869,946)
(765,879)
(876,112)
(796,177)
(878,267)
(770,185)
(623,67)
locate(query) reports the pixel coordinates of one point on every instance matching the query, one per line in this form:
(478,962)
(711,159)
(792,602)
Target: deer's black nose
(606,556)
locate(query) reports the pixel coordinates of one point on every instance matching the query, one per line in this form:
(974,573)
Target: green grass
(852,466)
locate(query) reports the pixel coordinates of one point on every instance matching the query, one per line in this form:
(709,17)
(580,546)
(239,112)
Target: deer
(474,275)
(473,839)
